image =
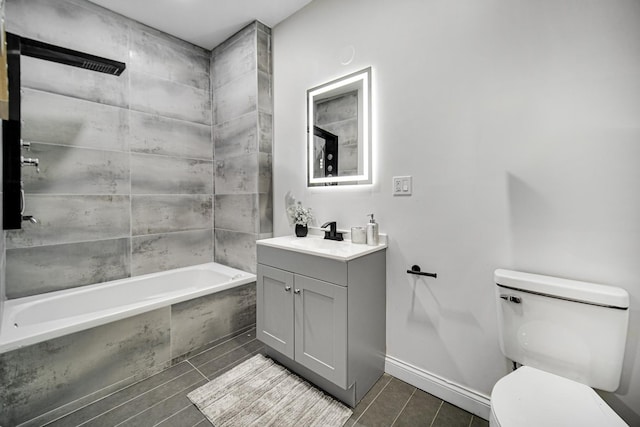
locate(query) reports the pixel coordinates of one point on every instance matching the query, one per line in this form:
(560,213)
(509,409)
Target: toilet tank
(574,329)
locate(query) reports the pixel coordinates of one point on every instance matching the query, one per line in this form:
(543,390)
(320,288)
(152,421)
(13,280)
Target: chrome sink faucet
(331,234)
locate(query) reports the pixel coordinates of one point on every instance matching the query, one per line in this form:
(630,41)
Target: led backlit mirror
(339,131)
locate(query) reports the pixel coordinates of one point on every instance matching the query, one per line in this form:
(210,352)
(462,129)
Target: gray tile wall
(242,132)
(126,177)
(2,240)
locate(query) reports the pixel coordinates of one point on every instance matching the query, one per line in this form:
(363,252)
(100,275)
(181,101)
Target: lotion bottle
(372,232)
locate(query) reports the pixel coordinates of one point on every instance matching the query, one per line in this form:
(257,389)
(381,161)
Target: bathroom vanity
(321,311)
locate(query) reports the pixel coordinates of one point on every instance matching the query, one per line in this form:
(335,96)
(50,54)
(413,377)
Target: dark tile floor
(161,400)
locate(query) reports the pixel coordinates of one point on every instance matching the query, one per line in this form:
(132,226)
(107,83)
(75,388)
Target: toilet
(569,336)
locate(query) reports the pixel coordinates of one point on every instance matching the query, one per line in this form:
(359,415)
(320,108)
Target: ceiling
(205,23)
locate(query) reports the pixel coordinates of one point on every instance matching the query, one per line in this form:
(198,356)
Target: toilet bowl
(568,336)
(529,397)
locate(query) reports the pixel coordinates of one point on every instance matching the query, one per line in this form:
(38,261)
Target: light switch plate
(402,186)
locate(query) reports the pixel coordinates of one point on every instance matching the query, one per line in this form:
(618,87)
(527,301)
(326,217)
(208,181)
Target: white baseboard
(456,394)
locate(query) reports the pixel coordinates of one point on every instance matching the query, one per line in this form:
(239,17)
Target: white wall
(520,124)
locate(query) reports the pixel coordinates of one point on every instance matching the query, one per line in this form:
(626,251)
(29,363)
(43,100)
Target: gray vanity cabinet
(324,318)
(305,319)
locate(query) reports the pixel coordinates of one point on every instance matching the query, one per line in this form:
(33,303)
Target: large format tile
(419,411)
(75,82)
(265,93)
(71,25)
(235,98)
(151,94)
(160,214)
(237,175)
(234,57)
(264,48)
(64,120)
(237,212)
(236,249)
(124,395)
(168,175)
(153,134)
(72,170)
(69,218)
(160,252)
(452,416)
(265,132)
(135,406)
(42,269)
(387,405)
(236,137)
(47,375)
(200,321)
(161,57)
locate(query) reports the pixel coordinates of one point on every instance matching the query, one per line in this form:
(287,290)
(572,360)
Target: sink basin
(316,245)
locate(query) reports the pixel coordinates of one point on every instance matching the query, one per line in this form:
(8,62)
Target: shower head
(49,52)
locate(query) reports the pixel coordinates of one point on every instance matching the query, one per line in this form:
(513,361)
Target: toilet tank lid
(591,293)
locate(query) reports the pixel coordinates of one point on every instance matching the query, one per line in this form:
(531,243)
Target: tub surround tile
(75,82)
(237,212)
(40,384)
(70,218)
(265,129)
(43,269)
(198,322)
(236,249)
(265,103)
(161,57)
(234,57)
(153,134)
(220,346)
(236,98)
(160,252)
(73,170)
(236,137)
(59,23)
(151,94)
(237,175)
(64,120)
(152,174)
(266,212)
(264,48)
(166,213)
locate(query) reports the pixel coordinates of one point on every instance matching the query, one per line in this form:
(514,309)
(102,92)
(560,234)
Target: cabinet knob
(296,291)
(287,288)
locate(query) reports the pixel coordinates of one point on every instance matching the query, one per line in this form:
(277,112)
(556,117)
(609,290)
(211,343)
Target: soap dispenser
(372,231)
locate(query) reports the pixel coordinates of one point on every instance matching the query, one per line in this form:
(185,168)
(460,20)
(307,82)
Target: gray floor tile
(187,417)
(122,396)
(386,407)
(479,422)
(452,416)
(368,398)
(420,410)
(223,348)
(209,346)
(146,400)
(227,361)
(162,409)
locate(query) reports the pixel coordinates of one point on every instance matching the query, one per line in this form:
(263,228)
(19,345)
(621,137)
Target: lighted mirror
(339,131)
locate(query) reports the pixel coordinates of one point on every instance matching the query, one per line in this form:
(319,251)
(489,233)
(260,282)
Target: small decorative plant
(299,215)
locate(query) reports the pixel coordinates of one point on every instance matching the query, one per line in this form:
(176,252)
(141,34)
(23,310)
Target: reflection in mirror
(339,137)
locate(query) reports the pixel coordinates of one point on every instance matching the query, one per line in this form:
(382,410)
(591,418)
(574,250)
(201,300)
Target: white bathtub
(33,319)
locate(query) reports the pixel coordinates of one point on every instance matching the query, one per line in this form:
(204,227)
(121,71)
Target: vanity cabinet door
(321,328)
(274,309)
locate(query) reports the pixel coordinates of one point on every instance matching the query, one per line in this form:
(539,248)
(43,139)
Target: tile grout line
(371,403)
(403,407)
(160,402)
(227,352)
(133,398)
(437,412)
(197,370)
(171,416)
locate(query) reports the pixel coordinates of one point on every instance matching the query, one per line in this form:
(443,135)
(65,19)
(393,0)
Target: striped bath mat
(260,392)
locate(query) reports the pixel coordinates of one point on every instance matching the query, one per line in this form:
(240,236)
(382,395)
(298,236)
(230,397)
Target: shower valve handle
(28,161)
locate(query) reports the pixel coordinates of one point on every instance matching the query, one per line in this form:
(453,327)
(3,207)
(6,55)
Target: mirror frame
(364,129)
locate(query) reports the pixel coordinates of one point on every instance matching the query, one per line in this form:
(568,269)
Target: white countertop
(317,245)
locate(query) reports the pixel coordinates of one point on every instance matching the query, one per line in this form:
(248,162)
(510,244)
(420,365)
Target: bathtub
(34,319)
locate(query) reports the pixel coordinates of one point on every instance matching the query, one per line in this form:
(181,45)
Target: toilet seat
(529,397)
